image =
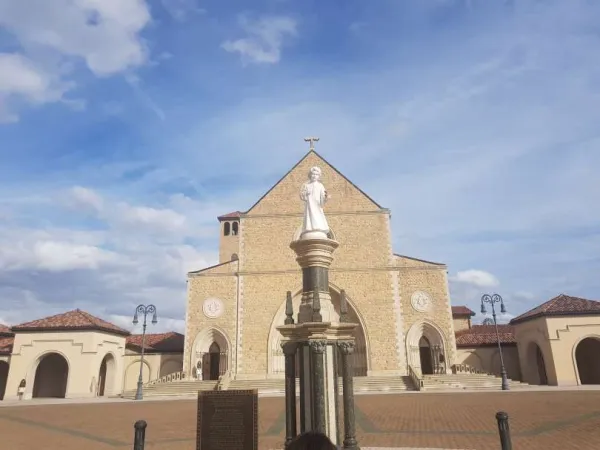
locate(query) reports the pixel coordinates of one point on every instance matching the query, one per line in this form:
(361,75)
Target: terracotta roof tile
(170,342)
(462,311)
(5,331)
(561,305)
(480,335)
(71,321)
(6,345)
(231,215)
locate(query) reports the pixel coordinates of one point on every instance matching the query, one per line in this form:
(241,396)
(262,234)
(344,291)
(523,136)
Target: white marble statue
(314,195)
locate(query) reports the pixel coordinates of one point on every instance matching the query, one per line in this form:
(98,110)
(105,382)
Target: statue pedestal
(322,351)
(314,257)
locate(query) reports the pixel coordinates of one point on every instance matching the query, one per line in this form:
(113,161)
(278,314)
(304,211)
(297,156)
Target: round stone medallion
(212,308)
(421,301)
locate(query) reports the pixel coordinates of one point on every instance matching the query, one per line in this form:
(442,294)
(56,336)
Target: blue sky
(127,126)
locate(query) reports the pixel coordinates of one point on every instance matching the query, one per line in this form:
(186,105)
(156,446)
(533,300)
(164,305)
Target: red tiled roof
(71,321)
(5,331)
(562,305)
(231,215)
(170,342)
(462,311)
(6,345)
(483,335)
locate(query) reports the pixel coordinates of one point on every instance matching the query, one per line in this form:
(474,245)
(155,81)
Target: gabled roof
(312,152)
(462,311)
(76,320)
(485,335)
(170,342)
(561,305)
(231,215)
(419,260)
(6,345)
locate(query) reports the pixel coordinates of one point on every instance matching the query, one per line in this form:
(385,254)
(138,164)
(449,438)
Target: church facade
(401,303)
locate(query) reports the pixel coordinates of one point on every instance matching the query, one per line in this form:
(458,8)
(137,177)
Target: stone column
(289,349)
(347,349)
(317,353)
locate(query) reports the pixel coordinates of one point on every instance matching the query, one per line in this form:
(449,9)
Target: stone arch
(361,356)
(107,376)
(537,364)
(433,355)
(132,373)
(169,366)
(4,366)
(204,351)
(586,359)
(51,376)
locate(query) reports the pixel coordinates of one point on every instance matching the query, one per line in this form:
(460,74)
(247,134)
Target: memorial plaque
(227,420)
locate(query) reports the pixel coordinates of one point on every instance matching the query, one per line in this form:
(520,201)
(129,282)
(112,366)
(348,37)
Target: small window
(234,229)
(226,229)
(234,257)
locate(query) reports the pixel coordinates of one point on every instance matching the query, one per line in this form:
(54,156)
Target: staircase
(470,382)
(173,389)
(268,387)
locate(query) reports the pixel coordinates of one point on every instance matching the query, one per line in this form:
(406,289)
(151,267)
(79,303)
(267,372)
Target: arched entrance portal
(51,377)
(587,358)
(3,378)
(425,356)
(360,357)
(211,355)
(106,376)
(426,349)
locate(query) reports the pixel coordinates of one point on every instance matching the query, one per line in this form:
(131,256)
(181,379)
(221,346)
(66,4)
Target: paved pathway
(549,420)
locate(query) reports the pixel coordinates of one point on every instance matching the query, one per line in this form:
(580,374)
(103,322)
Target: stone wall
(430,278)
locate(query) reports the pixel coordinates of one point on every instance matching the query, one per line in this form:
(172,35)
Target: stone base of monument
(318,346)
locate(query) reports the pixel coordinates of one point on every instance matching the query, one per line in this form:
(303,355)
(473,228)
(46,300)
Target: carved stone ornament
(289,348)
(421,301)
(318,346)
(346,347)
(212,308)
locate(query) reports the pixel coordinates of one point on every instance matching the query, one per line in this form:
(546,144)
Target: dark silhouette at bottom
(311,441)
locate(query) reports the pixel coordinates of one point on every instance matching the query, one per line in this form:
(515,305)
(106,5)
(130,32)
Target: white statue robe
(314,196)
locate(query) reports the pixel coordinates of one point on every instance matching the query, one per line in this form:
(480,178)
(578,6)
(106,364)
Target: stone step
(270,387)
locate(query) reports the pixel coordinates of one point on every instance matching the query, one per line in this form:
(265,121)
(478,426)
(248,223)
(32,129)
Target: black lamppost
(493,299)
(145,310)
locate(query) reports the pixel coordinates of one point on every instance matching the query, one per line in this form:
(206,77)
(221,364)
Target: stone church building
(400,303)
(409,336)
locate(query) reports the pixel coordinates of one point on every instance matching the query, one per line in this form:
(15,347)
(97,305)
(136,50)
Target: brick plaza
(539,420)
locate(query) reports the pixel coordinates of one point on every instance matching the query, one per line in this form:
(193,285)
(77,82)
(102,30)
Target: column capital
(346,347)
(318,346)
(289,348)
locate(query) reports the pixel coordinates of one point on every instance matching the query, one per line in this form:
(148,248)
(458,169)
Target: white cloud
(53,256)
(479,278)
(102,33)
(180,9)
(87,198)
(265,39)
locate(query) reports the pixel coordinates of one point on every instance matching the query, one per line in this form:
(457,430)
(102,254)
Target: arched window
(234,257)
(234,229)
(226,229)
